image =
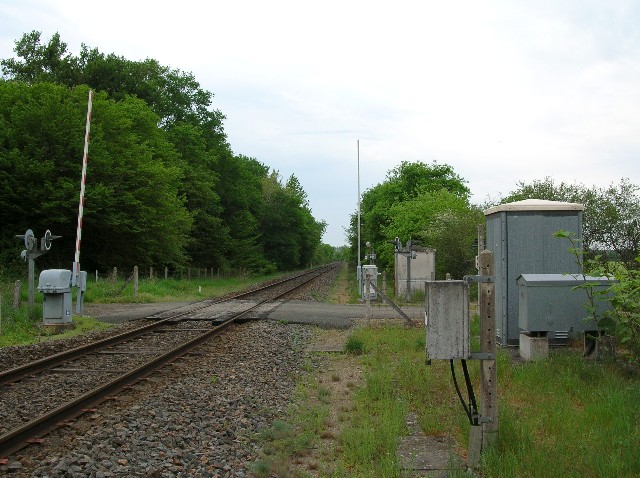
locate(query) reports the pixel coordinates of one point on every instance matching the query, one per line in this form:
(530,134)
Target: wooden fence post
(488,368)
(17,294)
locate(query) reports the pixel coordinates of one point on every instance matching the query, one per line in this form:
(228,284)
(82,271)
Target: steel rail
(37,366)
(239,295)
(22,436)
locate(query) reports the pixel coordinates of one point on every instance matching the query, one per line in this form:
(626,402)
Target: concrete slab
(421,455)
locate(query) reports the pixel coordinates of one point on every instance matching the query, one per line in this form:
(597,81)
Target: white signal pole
(359,273)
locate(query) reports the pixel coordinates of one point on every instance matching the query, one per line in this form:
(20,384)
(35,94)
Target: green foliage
(354,346)
(571,412)
(23,325)
(623,319)
(133,199)
(441,221)
(625,299)
(326,253)
(289,233)
(567,411)
(163,186)
(424,202)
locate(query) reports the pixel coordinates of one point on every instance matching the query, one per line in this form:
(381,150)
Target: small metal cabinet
(371,271)
(447,319)
(552,303)
(55,284)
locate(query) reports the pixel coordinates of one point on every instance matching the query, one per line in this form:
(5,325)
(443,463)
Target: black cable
(473,406)
(455,383)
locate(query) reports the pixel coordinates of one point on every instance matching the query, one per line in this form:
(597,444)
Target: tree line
(430,203)
(164,187)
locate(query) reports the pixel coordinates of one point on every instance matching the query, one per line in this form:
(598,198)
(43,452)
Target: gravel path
(198,417)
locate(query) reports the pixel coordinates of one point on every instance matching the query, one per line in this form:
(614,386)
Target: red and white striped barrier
(76,263)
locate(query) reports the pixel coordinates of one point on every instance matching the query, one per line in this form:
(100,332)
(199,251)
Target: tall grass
(562,417)
(166,290)
(566,417)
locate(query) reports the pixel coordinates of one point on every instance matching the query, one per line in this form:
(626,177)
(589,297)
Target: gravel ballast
(199,417)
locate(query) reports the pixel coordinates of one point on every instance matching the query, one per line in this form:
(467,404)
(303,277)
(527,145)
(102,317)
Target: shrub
(354,346)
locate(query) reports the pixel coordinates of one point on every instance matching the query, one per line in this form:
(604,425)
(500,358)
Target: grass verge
(562,417)
(22,325)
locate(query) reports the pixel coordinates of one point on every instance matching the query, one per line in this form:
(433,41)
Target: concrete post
(135,281)
(115,274)
(166,273)
(151,272)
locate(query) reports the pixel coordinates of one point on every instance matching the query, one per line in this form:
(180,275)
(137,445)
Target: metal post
(367,291)
(31,279)
(409,270)
(359,271)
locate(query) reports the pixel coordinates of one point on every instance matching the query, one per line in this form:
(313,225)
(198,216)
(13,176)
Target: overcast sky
(503,91)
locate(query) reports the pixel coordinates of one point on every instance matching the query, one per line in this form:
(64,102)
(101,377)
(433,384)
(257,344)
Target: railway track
(65,385)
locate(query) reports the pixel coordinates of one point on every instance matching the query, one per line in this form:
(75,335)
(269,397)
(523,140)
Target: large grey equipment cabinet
(423,268)
(520,236)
